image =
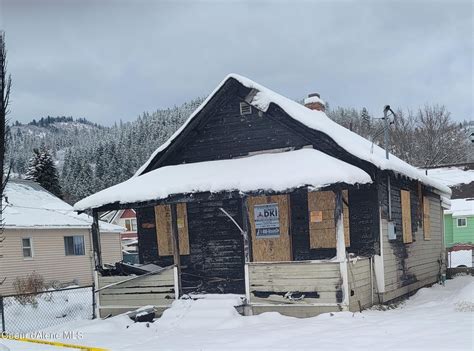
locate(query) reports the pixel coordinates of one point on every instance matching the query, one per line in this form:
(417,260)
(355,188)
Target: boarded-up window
(426,218)
(163,229)
(406,216)
(322,228)
(277,246)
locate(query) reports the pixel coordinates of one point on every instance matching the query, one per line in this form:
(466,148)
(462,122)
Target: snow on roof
(29,205)
(272,171)
(452,176)
(317,120)
(461,207)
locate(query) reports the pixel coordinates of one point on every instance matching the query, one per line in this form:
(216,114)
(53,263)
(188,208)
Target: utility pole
(386,130)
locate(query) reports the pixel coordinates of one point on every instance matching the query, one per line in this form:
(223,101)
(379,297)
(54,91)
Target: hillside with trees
(90,157)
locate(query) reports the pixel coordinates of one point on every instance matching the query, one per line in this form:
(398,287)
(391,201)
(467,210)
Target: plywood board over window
(163,229)
(406,216)
(273,247)
(322,227)
(426,218)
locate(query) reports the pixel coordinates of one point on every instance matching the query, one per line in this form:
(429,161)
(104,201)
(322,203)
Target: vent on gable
(245,109)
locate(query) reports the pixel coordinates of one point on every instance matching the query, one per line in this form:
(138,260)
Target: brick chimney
(314,102)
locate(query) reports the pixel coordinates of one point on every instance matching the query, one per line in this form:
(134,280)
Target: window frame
(128,224)
(465,222)
(132,224)
(30,247)
(73,245)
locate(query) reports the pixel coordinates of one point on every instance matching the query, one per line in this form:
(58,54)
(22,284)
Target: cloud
(111,60)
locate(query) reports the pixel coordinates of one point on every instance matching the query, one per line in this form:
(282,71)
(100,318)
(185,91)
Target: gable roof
(29,205)
(316,120)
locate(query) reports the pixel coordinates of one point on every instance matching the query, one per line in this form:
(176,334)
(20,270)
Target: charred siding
(227,135)
(397,255)
(216,247)
(147,242)
(364,220)
(216,259)
(300,230)
(363,224)
(396,185)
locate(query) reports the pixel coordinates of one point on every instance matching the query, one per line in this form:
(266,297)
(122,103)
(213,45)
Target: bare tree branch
(5,86)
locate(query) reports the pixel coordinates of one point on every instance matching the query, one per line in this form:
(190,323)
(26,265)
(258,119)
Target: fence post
(94,316)
(2,311)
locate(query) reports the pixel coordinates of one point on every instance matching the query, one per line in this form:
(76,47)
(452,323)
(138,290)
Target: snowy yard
(437,318)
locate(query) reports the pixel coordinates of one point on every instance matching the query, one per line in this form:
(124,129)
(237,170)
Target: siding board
(50,260)
(407,265)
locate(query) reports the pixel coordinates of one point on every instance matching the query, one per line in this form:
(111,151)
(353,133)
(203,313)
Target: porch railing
(119,294)
(316,283)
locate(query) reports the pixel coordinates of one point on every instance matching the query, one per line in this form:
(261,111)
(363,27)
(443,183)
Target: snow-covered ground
(437,318)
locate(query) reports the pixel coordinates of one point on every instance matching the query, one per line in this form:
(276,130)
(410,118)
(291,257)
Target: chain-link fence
(23,313)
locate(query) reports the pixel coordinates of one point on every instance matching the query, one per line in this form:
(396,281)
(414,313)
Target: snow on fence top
(317,120)
(28,205)
(461,207)
(275,172)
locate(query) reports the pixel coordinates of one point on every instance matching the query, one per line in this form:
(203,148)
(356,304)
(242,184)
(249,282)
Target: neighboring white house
(43,234)
(128,220)
(123,218)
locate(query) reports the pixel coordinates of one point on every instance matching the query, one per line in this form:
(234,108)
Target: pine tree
(42,170)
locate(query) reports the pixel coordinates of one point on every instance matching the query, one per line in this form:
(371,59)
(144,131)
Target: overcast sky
(111,60)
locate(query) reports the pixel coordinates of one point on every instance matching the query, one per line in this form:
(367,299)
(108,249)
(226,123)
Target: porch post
(176,256)
(245,234)
(341,248)
(245,229)
(96,239)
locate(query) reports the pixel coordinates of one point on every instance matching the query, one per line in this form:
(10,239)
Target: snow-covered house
(128,220)
(458,177)
(43,234)
(332,224)
(459,218)
(460,222)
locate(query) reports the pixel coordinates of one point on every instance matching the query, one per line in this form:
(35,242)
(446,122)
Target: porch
(298,288)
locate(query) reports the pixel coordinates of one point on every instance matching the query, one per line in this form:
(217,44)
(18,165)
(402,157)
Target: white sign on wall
(267,221)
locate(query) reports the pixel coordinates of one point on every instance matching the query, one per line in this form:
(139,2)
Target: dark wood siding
(364,220)
(300,230)
(398,183)
(363,224)
(399,248)
(216,259)
(226,134)
(218,131)
(147,246)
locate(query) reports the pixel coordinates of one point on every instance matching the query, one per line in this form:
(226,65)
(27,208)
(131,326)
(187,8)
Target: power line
(40,208)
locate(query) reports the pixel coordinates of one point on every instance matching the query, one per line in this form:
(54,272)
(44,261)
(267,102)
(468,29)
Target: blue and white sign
(267,221)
